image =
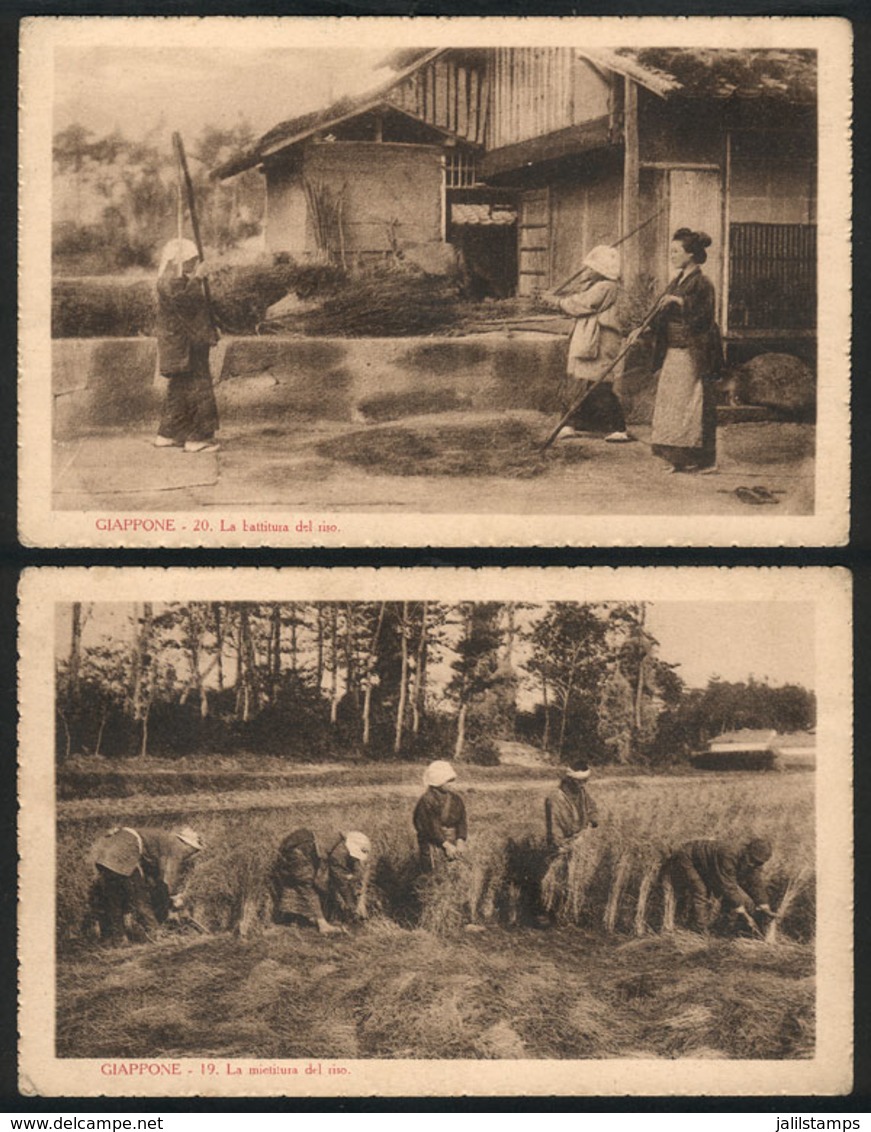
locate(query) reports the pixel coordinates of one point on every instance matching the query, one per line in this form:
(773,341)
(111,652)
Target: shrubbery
(98,308)
(386,303)
(126,308)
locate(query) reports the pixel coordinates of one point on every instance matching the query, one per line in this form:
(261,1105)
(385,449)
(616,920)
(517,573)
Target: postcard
(435,832)
(458,282)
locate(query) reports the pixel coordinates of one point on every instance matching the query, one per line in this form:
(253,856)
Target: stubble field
(611,977)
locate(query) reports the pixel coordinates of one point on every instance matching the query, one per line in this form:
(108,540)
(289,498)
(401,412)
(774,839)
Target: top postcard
(461,282)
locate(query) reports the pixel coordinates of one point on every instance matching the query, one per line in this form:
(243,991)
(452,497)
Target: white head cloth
(177,251)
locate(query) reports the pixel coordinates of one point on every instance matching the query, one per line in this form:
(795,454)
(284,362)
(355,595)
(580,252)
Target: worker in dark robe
(185,335)
(321,888)
(709,872)
(140,878)
(440,818)
(569,810)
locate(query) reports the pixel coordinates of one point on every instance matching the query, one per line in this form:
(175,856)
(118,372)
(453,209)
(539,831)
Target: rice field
(614,975)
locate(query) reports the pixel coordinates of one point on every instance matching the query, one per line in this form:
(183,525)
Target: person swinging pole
(186,332)
(595,354)
(594,349)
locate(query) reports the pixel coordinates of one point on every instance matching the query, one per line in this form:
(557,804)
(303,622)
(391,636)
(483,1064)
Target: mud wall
(113,383)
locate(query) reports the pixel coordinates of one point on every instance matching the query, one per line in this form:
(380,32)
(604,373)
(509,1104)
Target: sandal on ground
(567,433)
(165,442)
(748,495)
(764,495)
(619,438)
(201,446)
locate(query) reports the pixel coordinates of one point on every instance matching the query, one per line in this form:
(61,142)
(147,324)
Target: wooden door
(533,242)
(696,201)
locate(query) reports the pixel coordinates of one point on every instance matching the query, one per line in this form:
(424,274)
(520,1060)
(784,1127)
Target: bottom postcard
(435,832)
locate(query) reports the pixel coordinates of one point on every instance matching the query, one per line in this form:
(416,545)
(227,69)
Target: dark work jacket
(183,322)
(440,816)
(727,873)
(691,326)
(161,856)
(338,876)
(567,811)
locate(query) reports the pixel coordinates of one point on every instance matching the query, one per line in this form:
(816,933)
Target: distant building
(796,749)
(524,158)
(748,749)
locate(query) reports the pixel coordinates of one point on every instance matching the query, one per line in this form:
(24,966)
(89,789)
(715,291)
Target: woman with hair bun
(688,354)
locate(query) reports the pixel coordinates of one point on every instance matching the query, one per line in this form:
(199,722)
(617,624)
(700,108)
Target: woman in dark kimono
(688,354)
(185,334)
(315,888)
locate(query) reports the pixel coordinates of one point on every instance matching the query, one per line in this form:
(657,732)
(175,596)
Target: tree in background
(569,656)
(115,199)
(338,680)
(482,686)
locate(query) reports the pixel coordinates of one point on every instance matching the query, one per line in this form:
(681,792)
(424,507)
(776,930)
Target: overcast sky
(150,90)
(772,641)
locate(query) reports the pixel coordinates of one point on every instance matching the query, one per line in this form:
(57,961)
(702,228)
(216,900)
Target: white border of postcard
(829,1072)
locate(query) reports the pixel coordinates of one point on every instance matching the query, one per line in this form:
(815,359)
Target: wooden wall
(539,90)
(583,214)
(773,178)
(448,93)
(285,208)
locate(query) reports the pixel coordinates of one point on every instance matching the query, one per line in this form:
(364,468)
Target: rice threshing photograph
(495,280)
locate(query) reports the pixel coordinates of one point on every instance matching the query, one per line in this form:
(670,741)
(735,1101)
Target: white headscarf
(177,251)
(605,261)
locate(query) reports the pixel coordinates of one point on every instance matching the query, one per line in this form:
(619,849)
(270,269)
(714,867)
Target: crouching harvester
(140,877)
(316,888)
(707,871)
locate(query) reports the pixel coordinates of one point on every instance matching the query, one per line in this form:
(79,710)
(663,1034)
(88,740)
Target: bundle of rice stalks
(229,885)
(569,881)
(465,891)
(795,908)
(391,304)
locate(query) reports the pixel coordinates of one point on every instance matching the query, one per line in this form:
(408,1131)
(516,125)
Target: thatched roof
(293,130)
(745,73)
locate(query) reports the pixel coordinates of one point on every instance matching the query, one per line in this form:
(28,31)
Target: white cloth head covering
(189,837)
(358,844)
(177,251)
(580,773)
(605,261)
(438,773)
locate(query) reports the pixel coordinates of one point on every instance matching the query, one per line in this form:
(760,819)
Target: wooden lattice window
(772,276)
(459,168)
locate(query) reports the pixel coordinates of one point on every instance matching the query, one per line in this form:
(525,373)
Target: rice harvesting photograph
(294,831)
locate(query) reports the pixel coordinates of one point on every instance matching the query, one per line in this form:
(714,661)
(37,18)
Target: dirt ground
(341,467)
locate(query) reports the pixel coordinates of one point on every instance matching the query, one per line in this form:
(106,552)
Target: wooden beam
(695,166)
(631,181)
(561,143)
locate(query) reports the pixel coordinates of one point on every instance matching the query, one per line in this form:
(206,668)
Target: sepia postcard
(461,282)
(435,832)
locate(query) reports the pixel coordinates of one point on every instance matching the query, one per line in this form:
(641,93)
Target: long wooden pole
(648,318)
(616,244)
(192,209)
